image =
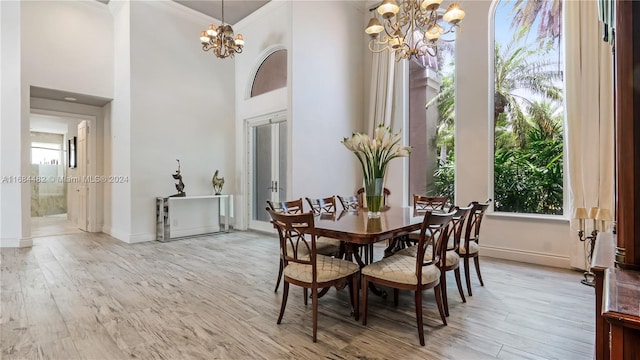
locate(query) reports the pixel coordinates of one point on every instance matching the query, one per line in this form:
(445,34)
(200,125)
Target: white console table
(163,218)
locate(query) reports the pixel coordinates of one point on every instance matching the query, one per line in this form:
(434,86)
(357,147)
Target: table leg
(351,254)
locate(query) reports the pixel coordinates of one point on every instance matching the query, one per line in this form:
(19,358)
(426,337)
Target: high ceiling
(234,10)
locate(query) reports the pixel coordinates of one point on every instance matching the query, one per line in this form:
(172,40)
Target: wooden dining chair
(469,244)
(422,204)
(311,271)
(325,246)
(415,274)
(450,259)
(349,203)
(322,206)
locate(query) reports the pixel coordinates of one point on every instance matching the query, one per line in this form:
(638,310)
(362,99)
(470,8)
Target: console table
(163,211)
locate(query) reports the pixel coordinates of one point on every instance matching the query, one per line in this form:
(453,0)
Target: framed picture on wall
(72,153)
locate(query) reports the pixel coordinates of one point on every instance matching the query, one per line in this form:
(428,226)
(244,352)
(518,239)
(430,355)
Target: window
(431,123)
(272,74)
(528,107)
(46,153)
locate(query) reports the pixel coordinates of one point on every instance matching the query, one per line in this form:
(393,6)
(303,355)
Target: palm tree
(445,102)
(519,80)
(549,13)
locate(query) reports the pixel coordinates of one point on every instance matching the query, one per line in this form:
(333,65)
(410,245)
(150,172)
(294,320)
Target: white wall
(327,96)
(118,140)
(542,241)
(266,30)
(68,45)
(182,107)
(14,197)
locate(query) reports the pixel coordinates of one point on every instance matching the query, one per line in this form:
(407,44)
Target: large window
(528,107)
(431,124)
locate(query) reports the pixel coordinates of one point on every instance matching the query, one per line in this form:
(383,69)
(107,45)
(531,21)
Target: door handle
(276,186)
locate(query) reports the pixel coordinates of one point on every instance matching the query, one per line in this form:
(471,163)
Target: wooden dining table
(357,228)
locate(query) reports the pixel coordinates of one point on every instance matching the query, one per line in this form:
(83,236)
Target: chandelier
(412,28)
(221,39)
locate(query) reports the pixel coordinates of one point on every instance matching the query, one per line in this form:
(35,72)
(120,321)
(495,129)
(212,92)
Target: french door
(268,168)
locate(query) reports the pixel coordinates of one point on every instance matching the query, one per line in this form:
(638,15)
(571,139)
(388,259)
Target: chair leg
(438,292)
(365,292)
(443,283)
(285,294)
(355,289)
(314,301)
(476,261)
(459,283)
(305,296)
(280,270)
(418,296)
(467,276)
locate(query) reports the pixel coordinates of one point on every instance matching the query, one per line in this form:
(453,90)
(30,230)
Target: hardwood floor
(89,296)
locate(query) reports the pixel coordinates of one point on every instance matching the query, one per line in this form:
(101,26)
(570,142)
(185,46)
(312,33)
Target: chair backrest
(287,207)
(385,194)
(323,206)
(429,202)
(435,232)
(472,232)
(349,203)
(297,237)
(457,226)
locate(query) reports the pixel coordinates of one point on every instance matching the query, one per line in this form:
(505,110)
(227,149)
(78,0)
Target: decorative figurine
(217,183)
(180,184)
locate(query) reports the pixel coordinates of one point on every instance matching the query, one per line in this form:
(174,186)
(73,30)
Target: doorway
(267,167)
(60,161)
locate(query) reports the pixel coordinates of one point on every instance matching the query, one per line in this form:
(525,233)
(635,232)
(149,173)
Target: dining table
(358,228)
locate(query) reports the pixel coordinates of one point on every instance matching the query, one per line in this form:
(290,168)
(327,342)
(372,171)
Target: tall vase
(373,192)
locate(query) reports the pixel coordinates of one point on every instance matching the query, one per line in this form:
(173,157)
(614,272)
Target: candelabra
(599,217)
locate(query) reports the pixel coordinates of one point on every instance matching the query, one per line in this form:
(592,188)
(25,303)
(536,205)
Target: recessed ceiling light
(70,98)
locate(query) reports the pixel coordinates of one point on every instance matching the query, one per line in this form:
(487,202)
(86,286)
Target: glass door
(268,164)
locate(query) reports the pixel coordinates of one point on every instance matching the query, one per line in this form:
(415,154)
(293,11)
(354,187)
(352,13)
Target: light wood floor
(88,296)
(53,225)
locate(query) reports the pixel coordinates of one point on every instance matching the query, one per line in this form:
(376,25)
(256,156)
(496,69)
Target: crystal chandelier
(412,28)
(221,40)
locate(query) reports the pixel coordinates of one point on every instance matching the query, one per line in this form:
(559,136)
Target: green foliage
(444,177)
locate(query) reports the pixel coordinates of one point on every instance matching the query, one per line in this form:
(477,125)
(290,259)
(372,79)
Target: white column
(14,196)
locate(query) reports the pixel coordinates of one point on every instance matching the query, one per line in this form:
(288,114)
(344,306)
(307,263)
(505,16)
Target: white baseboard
(195,231)
(140,238)
(16,243)
(526,256)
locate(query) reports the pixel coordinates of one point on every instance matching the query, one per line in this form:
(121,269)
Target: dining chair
(469,245)
(325,246)
(349,203)
(325,205)
(312,270)
(415,274)
(450,259)
(422,204)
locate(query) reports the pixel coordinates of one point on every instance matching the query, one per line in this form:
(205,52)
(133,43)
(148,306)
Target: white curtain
(589,117)
(381,92)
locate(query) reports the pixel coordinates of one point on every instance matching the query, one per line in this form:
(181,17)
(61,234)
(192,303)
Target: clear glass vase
(373,192)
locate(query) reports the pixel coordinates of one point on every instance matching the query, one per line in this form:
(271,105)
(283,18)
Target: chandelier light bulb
(374,27)
(434,32)
(204,38)
(388,8)
(454,14)
(431,5)
(211,31)
(239,40)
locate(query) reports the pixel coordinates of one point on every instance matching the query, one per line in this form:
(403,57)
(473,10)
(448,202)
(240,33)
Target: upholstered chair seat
(473,247)
(452,258)
(328,268)
(401,269)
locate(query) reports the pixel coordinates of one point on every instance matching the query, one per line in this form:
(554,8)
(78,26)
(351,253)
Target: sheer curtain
(381,92)
(589,117)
